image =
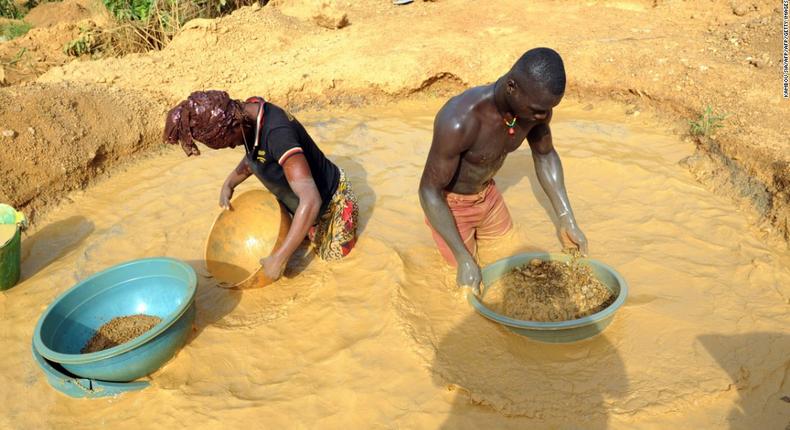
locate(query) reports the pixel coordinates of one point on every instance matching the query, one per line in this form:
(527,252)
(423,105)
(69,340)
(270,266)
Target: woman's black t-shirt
(282,136)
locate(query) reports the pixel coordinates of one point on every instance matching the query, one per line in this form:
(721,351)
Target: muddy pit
(384,339)
(119,330)
(548,291)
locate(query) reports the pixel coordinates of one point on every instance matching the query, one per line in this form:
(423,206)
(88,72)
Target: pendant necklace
(511,126)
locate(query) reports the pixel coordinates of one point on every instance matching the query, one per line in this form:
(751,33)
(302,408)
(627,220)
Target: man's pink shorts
(478,216)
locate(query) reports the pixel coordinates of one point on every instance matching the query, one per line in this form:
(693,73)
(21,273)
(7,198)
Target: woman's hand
(237,176)
(273,267)
(225,195)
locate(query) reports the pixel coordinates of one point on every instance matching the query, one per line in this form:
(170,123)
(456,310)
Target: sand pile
(549,291)
(24,58)
(53,144)
(55,25)
(120,330)
(68,11)
(327,14)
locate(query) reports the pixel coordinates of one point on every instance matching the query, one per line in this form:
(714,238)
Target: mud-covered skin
(470,144)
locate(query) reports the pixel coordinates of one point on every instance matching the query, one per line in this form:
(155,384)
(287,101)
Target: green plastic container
(10,260)
(11,250)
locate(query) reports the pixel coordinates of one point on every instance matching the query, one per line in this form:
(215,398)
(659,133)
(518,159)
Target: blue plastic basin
(162,287)
(561,331)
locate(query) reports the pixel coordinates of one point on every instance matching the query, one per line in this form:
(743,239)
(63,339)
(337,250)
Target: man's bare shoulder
(460,112)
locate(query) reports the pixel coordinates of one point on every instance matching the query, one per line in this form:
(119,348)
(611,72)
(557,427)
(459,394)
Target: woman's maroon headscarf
(210,117)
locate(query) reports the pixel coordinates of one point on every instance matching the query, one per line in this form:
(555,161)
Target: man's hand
(224,196)
(273,267)
(572,236)
(469,275)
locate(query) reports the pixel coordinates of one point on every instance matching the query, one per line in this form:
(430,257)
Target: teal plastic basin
(561,331)
(162,287)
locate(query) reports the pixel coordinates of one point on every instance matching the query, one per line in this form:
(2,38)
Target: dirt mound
(68,11)
(55,25)
(4,21)
(55,138)
(328,13)
(25,58)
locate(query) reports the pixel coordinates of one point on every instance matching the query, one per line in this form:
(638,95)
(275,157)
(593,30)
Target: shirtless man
(472,135)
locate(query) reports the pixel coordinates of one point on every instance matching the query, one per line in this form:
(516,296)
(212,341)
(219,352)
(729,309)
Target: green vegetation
(707,123)
(129,10)
(145,25)
(151,24)
(14,29)
(9,9)
(17,58)
(88,42)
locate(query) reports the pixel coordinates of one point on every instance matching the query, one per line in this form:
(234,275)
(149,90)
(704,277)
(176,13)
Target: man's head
(210,117)
(535,84)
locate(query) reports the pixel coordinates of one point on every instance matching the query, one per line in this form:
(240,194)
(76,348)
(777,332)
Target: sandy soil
(68,11)
(120,330)
(385,340)
(55,24)
(26,57)
(548,291)
(59,137)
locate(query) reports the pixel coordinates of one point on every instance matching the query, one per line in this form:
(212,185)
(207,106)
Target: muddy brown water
(383,339)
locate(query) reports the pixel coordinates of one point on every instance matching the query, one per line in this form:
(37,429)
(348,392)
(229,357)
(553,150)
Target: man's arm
(450,140)
(548,168)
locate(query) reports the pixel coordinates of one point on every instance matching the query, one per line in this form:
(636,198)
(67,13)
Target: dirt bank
(55,138)
(55,24)
(26,57)
(68,11)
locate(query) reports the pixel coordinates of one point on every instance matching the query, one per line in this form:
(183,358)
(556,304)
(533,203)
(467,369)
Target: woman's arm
(237,176)
(300,178)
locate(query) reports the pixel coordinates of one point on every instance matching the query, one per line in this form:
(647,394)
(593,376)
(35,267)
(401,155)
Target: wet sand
(548,291)
(383,339)
(120,330)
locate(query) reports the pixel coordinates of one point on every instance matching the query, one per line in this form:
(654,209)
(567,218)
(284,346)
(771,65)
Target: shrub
(707,123)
